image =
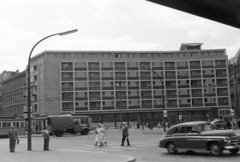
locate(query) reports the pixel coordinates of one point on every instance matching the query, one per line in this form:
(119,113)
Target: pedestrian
(125,135)
(13,137)
(100,134)
(228,124)
(36,129)
(138,126)
(46,139)
(143,126)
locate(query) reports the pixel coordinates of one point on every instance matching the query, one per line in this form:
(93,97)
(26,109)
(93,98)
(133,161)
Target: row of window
(14,98)
(13,87)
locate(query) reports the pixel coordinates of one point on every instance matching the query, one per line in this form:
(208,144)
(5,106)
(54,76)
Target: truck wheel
(85,132)
(59,133)
(215,149)
(171,148)
(234,151)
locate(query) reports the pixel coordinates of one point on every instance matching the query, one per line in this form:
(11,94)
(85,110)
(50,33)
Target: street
(144,147)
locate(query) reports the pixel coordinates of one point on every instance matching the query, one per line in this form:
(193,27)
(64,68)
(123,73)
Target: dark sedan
(199,136)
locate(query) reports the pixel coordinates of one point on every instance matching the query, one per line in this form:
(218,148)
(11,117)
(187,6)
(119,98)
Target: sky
(114,25)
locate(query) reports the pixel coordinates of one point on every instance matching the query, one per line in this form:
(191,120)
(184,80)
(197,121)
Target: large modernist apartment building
(87,82)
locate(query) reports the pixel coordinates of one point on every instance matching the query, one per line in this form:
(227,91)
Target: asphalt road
(144,147)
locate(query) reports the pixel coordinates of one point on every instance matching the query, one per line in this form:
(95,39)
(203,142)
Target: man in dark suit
(13,137)
(125,134)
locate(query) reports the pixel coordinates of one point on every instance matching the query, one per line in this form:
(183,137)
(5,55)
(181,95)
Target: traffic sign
(232,112)
(165,113)
(180,117)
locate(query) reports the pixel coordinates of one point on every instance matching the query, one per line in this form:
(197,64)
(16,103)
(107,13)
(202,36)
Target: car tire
(234,151)
(171,148)
(218,126)
(215,149)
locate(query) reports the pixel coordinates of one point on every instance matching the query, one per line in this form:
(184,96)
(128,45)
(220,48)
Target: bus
(6,122)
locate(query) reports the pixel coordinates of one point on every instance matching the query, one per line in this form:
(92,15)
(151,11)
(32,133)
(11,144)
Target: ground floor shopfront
(112,119)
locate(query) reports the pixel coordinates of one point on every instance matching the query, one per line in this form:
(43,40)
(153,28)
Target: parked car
(219,124)
(200,135)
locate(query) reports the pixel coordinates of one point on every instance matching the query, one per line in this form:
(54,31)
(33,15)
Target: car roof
(192,123)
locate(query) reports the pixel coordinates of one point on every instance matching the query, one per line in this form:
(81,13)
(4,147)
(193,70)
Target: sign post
(232,114)
(180,118)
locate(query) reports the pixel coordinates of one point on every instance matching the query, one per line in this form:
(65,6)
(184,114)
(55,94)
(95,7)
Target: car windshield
(206,127)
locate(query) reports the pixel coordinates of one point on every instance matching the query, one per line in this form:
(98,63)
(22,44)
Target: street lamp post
(210,91)
(29,82)
(163,96)
(120,84)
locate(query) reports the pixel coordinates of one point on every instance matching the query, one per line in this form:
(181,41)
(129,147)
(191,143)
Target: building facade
(87,82)
(13,95)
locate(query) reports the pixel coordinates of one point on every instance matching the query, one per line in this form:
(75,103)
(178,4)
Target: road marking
(74,150)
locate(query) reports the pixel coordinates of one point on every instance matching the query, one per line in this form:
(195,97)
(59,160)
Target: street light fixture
(29,82)
(210,91)
(120,84)
(163,96)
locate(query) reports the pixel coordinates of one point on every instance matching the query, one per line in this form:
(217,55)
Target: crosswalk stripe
(97,148)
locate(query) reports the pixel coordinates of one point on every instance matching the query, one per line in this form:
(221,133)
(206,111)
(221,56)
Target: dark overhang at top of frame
(223,11)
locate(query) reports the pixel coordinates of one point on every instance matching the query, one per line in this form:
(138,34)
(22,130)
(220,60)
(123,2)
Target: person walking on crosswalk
(125,135)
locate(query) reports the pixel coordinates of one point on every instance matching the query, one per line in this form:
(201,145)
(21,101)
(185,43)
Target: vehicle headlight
(227,139)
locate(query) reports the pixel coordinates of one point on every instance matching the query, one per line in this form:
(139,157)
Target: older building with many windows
(194,82)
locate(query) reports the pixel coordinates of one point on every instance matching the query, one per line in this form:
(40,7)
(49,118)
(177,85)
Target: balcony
(146,87)
(80,78)
(196,85)
(197,95)
(207,66)
(208,95)
(195,67)
(80,68)
(146,97)
(171,87)
(170,68)
(133,87)
(183,67)
(122,97)
(134,107)
(222,94)
(95,108)
(133,78)
(183,76)
(80,88)
(94,88)
(81,98)
(184,105)
(67,69)
(107,68)
(223,103)
(208,75)
(222,85)
(197,105)
(221,75)
(93,68)
(183,86)
(107,78)
(158,87)
(81,108)
(120,68)
(67,89)
(67,79)
(146,77)
(147,106)
(196,76)
(132,68)
(220,66)
(123,107)
(108,107)
(67,99)
(94,78)
(107,98)
(157,96)
(133,97)
(171,96)
(95,98)
(172,106)
(107,88)
(211,104)
(120,78)
(184,95)
(158,106)
(171,77)
(157,68)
